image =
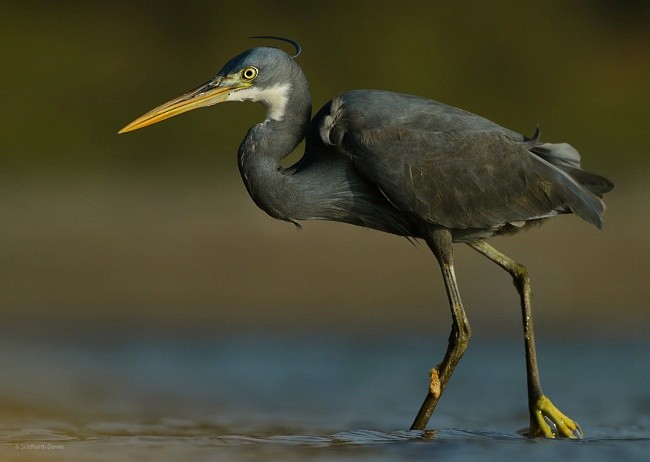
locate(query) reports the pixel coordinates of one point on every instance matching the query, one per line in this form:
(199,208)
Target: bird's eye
(249,73)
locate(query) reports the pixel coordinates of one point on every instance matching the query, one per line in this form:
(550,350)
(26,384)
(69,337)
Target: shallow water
(96,395)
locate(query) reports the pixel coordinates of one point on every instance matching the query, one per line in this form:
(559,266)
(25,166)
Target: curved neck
(267,143)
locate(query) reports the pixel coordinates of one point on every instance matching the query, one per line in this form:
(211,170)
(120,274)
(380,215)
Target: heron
(408,166)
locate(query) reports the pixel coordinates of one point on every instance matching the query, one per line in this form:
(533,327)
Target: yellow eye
(249,73)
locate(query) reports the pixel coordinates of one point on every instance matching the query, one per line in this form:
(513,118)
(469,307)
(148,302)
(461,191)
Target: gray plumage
(408,166)
(397,163)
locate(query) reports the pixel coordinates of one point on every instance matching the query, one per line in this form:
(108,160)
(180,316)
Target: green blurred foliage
(128,227)
(75,72)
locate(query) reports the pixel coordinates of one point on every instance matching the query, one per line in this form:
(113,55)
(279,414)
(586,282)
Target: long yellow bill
(205,95)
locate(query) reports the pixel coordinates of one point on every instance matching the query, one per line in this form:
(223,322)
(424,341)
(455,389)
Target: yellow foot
(544,413)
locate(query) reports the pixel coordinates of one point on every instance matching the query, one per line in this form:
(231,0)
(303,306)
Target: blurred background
(154,229)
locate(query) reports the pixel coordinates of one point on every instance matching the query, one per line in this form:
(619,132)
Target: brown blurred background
(154,228)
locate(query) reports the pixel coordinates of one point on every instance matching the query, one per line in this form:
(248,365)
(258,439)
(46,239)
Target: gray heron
(408,166)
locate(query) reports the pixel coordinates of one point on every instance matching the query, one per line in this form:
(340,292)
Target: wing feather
(451,167)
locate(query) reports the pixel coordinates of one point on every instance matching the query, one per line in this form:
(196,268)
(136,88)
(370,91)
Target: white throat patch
(274,98)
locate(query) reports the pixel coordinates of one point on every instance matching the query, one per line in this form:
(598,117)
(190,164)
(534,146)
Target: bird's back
(452,168)
(374,109)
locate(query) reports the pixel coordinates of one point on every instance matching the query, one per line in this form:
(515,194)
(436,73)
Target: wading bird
(409,166)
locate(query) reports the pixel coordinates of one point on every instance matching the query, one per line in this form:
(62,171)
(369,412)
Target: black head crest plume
(295,44)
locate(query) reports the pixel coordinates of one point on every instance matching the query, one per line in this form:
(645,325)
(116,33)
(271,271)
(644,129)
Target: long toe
(548,421)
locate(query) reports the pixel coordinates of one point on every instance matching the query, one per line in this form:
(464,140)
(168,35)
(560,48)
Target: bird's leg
(440,243)
(542,410)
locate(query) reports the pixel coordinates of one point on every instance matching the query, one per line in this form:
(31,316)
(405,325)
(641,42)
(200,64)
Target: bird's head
(260,74)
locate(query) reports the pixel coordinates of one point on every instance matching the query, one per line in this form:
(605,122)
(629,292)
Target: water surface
(97,396)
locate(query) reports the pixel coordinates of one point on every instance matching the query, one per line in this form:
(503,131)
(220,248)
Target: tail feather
(567,158)
(569,194)
(595,183)
(558,154)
